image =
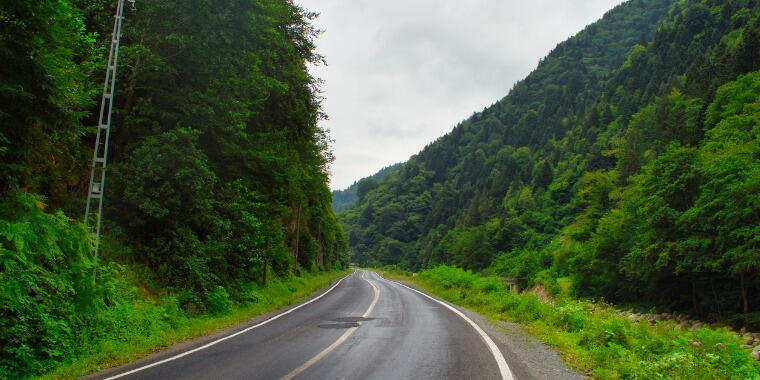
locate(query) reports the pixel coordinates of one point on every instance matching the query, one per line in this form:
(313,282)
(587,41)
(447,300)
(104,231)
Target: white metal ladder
(100,154)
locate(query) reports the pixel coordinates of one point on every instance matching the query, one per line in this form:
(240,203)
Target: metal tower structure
(94,209)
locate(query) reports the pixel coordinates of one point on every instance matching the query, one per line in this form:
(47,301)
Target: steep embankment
(626,164)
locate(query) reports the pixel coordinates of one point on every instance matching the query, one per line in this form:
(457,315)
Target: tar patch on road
(344,323)
(352,319)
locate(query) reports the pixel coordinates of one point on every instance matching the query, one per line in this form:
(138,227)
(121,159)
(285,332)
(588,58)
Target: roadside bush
(218,300)
(548,279)
(190,302)
(47,292)
(449,277)
(396,269)
(570,316)
(529,310)
(489,285)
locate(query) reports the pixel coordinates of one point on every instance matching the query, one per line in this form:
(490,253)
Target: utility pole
(100,154)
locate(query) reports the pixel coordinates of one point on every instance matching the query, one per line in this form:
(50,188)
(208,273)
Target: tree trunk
(266,263)
(298,237)
(715,298)
(266,269)
(744,293)
(320,249)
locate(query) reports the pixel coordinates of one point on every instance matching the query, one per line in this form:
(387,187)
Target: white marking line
(506,374)
(207,345)
(340,340)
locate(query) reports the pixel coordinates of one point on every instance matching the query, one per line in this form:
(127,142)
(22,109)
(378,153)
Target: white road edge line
(207,345)
(340,340)
(506,373)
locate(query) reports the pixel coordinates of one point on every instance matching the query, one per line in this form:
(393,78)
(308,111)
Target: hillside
(343,199)
(217,177)
(625,164)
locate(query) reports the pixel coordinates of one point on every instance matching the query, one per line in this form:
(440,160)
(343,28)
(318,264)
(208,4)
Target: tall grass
(592,337)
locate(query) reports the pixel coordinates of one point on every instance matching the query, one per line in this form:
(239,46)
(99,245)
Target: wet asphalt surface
(345,335)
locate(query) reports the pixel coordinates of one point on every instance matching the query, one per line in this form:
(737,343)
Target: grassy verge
(592,337)
(143,326)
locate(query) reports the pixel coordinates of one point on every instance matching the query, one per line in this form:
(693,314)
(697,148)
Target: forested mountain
(628,161)
(343,199)
(219,169)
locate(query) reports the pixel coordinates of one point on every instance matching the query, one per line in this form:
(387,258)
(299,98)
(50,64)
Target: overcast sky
(401,73)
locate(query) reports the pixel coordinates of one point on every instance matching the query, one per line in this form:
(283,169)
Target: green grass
(592,337)
(145,325)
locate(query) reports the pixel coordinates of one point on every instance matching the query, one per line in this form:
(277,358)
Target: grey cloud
(402,73)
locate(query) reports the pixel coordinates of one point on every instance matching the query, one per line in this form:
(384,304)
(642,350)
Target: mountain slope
(557,179)
(444,176)
(343,199)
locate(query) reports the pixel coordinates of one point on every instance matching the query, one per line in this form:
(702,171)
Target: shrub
(449,277)
(570,316)
(529,310)
(47,290)
(489,285)
(218,300)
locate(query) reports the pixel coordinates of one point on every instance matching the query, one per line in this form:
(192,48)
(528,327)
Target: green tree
(45,93)
(724,217)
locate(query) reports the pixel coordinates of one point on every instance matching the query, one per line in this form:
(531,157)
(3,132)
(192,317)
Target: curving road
(363,327)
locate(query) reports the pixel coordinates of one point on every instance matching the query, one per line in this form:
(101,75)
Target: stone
(756,353)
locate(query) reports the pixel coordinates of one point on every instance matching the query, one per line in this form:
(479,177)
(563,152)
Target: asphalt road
(364,327)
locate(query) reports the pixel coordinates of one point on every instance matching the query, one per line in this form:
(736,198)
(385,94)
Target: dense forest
(218,170)
(627,164)
(343,199)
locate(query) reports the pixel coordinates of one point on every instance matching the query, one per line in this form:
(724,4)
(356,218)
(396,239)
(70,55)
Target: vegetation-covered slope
(343,199)
(626,161)
(218,175)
